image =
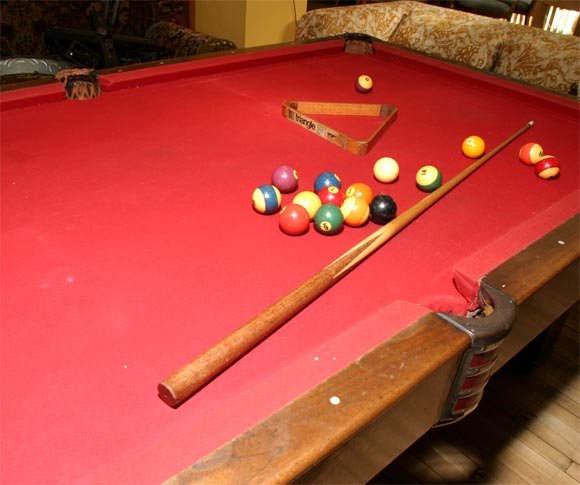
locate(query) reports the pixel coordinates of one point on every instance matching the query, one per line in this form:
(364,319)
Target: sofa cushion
(450,34)
(374,20)
(541,59)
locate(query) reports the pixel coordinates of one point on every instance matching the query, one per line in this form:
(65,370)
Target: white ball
(386,170)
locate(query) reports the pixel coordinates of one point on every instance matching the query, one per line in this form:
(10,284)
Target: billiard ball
(473,146)
(326,179)
(266,199)
(358,189)
(294,219)
(363,84)
(386,170)
(428,178)
(331,195)
(285,178)
(547,167)
(309,200)
(355,211)
(328,219)
(530,153)
(383,209)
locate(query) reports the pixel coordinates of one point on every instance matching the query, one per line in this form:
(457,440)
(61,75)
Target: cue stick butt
(167,395)
(191,377)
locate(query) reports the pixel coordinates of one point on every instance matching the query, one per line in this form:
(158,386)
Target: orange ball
(355,211)
(473,146)
(358,189)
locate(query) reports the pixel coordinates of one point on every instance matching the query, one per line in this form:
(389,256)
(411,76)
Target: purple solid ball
(285,178)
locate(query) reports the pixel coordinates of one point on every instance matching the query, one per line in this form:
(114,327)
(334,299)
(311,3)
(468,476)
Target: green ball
(328,219)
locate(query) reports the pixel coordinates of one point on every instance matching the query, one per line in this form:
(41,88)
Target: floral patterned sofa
(533,56)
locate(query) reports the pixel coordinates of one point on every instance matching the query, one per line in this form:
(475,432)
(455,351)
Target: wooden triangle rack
(298,111)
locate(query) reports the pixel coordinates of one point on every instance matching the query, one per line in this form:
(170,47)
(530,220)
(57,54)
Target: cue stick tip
(531,123)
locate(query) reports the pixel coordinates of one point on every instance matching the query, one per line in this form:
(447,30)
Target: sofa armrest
(452,35)
(182,41)
(377,20)
(544,59)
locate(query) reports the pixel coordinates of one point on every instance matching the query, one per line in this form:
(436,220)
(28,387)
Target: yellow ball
(386,170)
(473,146)
(309,200)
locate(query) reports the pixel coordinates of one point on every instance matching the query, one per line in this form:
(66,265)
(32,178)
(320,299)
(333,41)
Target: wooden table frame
(390,406)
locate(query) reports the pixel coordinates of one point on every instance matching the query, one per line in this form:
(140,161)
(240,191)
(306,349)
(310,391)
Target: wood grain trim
(543,280)
(531,269)
(416,367)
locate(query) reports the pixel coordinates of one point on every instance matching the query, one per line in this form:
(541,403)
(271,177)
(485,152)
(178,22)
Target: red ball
(331,195)
(547,167)
(530,153)
(294,219)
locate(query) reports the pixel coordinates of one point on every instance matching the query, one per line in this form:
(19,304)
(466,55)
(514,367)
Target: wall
(249,23)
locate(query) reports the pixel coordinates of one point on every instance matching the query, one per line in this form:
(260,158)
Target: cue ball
(266,199)
(358,189)
(363,84)
(530,153)
(428,178)
(294,219)
(285,178)
(383,209)
(386,170)
(355,211)
(547,167)
(326,179)
(328,219)
(473,146)
(309,200)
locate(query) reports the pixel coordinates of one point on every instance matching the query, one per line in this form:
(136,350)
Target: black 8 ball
(383,209)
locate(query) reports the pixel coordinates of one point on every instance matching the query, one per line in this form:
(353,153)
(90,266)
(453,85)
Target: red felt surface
(129,244)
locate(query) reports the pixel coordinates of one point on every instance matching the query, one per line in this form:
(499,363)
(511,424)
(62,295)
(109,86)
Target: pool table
(130,246)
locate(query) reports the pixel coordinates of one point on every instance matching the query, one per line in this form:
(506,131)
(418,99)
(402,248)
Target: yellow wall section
(222,18)
(249,23)
(271,21)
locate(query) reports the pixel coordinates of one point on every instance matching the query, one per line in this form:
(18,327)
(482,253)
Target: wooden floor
(525,431)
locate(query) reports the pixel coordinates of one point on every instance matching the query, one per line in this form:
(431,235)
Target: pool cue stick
(191,377)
